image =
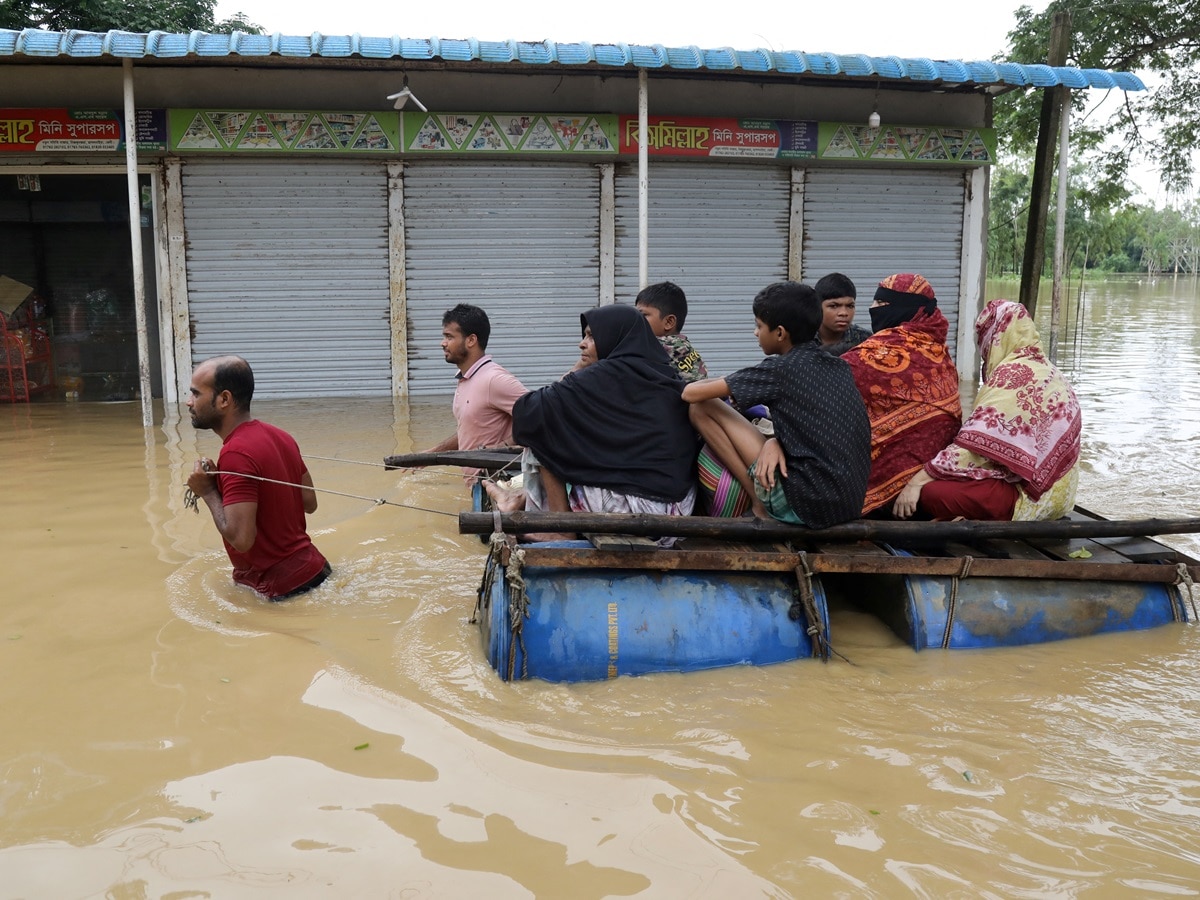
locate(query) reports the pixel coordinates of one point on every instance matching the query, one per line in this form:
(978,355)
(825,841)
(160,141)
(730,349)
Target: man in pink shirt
(486,391)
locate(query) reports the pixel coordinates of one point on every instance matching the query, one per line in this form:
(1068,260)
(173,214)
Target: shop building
(290,214)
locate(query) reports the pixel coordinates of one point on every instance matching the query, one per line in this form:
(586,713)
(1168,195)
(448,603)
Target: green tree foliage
(120,15)
(1158,37)
(1110,237)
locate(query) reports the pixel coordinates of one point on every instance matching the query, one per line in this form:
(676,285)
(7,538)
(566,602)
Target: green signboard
(565,134)
(906,143)
(525,133)
(289,131)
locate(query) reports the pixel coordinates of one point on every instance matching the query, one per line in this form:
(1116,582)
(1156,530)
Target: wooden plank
(983,567)
(852,563)
(1062,549)
(620,542)
(760,530)
(1139,549)
(659,559)
(1002,548)
(859,548)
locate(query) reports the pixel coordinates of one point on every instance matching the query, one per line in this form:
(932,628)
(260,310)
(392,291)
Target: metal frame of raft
(615,604)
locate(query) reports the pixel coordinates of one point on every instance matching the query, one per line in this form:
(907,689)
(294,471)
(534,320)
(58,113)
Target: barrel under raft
(592,624)
(966,613)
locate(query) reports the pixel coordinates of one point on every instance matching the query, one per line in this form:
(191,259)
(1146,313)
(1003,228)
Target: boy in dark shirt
(665,307)
(837,332)
(822,444)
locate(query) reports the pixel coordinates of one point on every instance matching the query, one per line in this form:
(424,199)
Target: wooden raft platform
(1126,558)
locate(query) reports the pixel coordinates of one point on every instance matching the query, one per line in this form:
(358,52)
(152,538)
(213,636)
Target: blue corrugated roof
(199,44)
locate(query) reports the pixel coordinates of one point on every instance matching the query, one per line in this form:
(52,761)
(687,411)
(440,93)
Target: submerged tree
(1160,38)
(121,15)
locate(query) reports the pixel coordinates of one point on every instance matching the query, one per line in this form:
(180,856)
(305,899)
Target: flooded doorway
(67,237)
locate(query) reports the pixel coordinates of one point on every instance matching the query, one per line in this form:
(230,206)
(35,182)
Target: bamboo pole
(490,460)
(1043,167)
(748,529)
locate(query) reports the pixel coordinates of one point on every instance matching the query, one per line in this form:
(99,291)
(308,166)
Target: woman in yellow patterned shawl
(1016,455)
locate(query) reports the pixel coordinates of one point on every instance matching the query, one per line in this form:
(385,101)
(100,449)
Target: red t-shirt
(283,556)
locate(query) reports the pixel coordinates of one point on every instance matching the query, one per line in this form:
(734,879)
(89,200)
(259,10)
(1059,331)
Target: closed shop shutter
(287,265)
(520,240)
(871,223)
(718,231)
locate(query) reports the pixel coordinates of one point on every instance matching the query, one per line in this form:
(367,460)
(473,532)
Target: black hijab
(905,297)
(621,422)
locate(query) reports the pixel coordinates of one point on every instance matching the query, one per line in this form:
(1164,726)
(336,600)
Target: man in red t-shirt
(261,489)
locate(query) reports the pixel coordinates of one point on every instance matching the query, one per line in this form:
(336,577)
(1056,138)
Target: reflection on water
(166,733)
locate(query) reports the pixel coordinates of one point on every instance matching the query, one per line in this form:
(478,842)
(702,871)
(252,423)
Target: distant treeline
(1112,237)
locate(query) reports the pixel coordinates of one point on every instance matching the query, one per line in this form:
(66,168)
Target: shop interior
(67,317)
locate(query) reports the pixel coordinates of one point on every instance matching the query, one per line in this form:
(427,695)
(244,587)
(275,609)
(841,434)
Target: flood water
(164,733)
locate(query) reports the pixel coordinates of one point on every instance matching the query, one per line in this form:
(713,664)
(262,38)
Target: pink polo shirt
(483,402)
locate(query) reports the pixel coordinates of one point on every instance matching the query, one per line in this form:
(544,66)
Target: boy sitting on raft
(822,444)
(665,307)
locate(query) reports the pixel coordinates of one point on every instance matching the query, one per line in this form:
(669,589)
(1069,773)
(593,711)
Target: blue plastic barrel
(1008,612)
(593,624)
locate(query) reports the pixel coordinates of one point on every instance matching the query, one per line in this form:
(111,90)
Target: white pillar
(643,180)
(135,247)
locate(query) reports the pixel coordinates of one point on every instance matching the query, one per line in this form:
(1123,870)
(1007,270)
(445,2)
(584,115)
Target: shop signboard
(78,130)
(284,131)
(569,134)
(926,144)
(525,133)
(731,138)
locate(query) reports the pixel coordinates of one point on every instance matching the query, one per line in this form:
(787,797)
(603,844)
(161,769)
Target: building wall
(364,86)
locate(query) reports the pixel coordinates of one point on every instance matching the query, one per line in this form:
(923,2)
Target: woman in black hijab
(617,430)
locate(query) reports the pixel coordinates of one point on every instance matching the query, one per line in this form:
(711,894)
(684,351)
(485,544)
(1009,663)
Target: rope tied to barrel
(192,501)
(952,601)
(518,610)
(491,565)
(1184,579)
(805,605)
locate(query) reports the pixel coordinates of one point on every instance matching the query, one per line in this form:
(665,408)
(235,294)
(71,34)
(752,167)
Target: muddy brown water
(166,734)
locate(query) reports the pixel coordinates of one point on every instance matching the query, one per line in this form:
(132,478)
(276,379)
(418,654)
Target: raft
(615,604)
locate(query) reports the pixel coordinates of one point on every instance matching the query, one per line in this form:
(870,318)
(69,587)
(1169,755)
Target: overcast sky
(940,29)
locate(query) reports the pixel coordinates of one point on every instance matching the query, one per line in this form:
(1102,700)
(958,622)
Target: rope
(353,462)
(490,567)
(952,602)
(191,501)
(518,611)
(805,605)
(1185,579)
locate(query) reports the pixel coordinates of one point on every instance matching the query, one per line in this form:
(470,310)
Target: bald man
(259,491)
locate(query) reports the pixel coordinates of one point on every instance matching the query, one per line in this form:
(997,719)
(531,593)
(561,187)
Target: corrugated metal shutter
(718,231)
(287,265)
(871,223)
(520,240)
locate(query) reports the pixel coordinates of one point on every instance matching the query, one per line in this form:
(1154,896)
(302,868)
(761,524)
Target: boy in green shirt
(665,307)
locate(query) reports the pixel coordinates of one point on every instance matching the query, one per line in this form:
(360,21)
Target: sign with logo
(78,130)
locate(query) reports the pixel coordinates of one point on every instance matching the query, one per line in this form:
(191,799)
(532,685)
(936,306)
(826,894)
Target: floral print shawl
(910,387)
(1026,424)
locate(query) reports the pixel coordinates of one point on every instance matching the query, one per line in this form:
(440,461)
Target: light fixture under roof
(404,95)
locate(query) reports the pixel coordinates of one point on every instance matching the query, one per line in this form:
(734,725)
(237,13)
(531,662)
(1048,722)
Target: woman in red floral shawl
(908,382)
(1016,456)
